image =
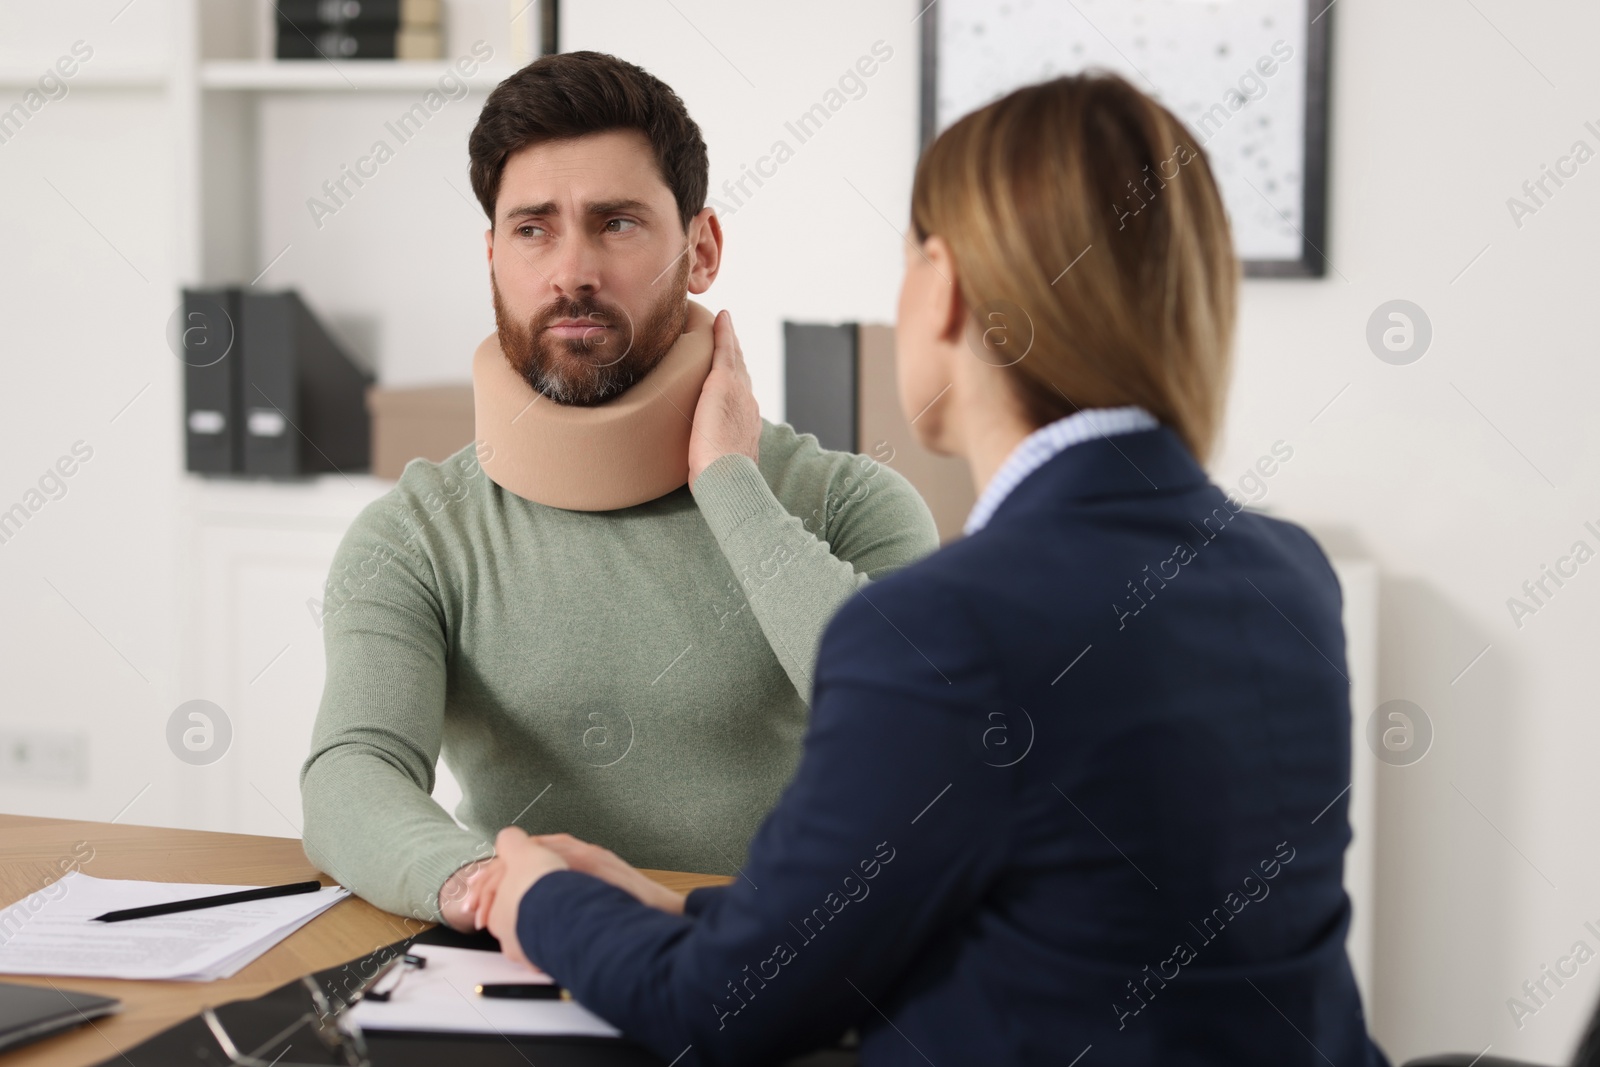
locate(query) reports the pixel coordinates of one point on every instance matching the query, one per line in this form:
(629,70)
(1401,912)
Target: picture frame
(972,53)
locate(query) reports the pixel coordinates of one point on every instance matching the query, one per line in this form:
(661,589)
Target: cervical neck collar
(624,451)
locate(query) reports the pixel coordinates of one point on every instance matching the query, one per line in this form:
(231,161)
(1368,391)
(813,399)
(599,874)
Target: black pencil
(240,897)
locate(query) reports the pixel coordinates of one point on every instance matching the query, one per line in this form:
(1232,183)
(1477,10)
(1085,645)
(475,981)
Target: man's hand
(495,891)
(453,904)
(607,866)
(727,418)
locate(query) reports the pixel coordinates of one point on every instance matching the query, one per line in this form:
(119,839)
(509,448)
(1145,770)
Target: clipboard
(251,1022)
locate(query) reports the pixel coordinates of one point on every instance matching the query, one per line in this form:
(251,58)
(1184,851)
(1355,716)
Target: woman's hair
(1086,227)
(1588,1054)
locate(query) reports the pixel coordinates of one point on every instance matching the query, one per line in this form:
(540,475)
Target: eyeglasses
(333,1027)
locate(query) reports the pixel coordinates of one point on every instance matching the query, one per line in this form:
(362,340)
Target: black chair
(1588,1054)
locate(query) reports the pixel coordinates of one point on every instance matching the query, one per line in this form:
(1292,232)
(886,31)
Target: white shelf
(289,499)
(315,75)
(87,78)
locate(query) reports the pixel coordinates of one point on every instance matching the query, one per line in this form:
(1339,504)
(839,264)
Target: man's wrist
(730,490)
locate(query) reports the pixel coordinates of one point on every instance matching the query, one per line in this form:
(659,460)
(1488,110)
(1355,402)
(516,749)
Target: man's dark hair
(572,94)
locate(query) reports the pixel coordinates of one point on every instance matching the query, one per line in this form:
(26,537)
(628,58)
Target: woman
(1075,785)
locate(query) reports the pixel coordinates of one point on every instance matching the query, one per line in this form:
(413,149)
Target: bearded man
(604,612)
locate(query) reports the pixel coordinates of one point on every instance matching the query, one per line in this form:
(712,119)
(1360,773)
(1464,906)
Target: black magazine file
(251,1022)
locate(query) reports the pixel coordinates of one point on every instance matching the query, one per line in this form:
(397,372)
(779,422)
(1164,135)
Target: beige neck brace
(625,451)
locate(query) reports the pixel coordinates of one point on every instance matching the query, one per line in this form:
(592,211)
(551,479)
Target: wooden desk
(30,849)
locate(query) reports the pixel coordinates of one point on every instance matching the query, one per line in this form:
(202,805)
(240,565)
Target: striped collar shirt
(1043,444)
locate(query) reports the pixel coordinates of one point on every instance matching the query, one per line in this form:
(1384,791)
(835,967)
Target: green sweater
(639,678)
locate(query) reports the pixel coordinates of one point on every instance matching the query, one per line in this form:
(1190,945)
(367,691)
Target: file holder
(302,396)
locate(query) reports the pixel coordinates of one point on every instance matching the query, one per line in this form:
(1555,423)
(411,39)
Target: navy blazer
(1073,785)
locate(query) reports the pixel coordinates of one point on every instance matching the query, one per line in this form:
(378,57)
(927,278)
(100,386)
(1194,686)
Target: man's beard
(584,371)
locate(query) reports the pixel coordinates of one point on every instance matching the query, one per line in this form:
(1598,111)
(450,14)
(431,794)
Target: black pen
(524,991)
(240,897)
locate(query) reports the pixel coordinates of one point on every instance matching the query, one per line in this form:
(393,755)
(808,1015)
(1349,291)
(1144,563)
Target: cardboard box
(884,433)
(430,422)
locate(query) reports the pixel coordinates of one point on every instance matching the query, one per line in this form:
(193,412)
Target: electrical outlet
(43,759)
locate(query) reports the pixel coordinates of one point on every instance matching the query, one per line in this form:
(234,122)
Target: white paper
(50,932)
(443,996)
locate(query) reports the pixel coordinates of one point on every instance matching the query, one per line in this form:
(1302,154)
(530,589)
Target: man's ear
(488,244)
(705,250)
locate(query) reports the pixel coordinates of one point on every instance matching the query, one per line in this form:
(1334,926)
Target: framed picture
(1248,77)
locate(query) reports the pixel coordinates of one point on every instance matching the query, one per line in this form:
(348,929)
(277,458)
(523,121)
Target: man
(638,676)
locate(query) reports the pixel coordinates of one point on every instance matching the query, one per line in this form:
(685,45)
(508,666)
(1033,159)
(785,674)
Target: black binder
(303,398)
(349,44)
(313,16)
(358,29)
(207,341)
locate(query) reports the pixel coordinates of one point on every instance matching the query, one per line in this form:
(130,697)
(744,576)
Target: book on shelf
(359,29)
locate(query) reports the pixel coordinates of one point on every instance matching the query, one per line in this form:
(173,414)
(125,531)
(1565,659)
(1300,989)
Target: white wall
(1442,471)
(818,241)
(88,585)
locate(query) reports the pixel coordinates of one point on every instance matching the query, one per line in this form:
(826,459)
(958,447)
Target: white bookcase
(248,130)
(223,79)
(257,556)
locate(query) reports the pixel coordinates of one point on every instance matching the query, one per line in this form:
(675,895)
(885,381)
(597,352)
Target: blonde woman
(1074,785)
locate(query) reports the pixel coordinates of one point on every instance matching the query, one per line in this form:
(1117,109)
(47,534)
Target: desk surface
(30,849)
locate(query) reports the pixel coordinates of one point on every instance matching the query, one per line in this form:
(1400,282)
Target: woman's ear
(950,310)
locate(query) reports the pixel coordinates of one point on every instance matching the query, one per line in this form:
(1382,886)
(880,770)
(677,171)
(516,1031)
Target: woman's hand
(494,879)
(478,898)
(607,866)
(495,890)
